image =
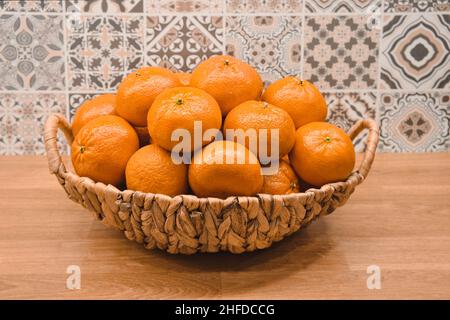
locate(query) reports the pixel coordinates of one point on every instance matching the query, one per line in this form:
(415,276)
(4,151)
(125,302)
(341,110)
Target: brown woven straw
(188,224)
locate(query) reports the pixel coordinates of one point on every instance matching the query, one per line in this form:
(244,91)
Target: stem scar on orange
(322,153)
(138,90)
(300,98)
(102,148)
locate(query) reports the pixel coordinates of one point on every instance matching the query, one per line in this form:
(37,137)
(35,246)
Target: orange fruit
(178,108)
(138,90)
(322,153)
(229,80)
(102,147)
(300,98)
(262,115)
(152,170)
(143,135)
(285,181)
(184,77)
(211,175)
(100,105)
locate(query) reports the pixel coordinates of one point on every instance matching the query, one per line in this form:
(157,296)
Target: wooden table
(398,219)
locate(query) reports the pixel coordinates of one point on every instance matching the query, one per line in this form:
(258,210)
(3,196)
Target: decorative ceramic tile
(164,7)
(31,52)
(345,109)
(31,5)
(110,6)
(264,6)
(272,44)
(416,5)
(22,119)
(415,52)
(415,122)
(102,49)
(180,43)
(343,6)
(341,52)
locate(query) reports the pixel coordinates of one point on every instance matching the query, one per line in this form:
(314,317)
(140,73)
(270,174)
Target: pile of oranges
(126,139)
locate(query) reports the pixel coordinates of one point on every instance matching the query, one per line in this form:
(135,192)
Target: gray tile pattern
(31,52)
(180,43)
(272,44)
(105,6)
(31,6)
(341,52)
(22,118)
(102,49)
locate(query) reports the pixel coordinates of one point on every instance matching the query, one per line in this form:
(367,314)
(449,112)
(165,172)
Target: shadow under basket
(187,224)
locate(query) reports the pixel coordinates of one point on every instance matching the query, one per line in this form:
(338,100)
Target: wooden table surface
(398,219)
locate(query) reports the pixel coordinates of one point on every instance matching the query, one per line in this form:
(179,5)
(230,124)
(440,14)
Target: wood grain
(398,219)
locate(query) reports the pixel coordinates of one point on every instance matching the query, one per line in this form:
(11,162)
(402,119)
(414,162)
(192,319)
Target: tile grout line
(437,90)
(144,48)
(224,33)
(378,107)
(362,13)
(85,60)
(187,14)
(66,68)
(302,41)
(274,14)
(55,91)
(380,40)
(430,90)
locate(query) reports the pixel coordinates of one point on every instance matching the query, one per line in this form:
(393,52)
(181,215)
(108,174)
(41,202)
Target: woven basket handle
(53,123)
(372,142)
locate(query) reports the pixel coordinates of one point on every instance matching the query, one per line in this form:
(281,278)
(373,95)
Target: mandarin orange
(229,80)
(101,105)
(300,98)
(138,90)
(322,153)
(102,147)
(152,170)
(179,108)
(261,115)
(225,168)
(284,181)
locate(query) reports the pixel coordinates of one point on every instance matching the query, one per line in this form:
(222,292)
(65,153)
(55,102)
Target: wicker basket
(187,224)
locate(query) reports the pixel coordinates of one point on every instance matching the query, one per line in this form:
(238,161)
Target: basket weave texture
(187,224)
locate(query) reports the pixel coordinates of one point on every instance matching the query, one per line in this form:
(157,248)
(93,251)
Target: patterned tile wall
(384,59)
